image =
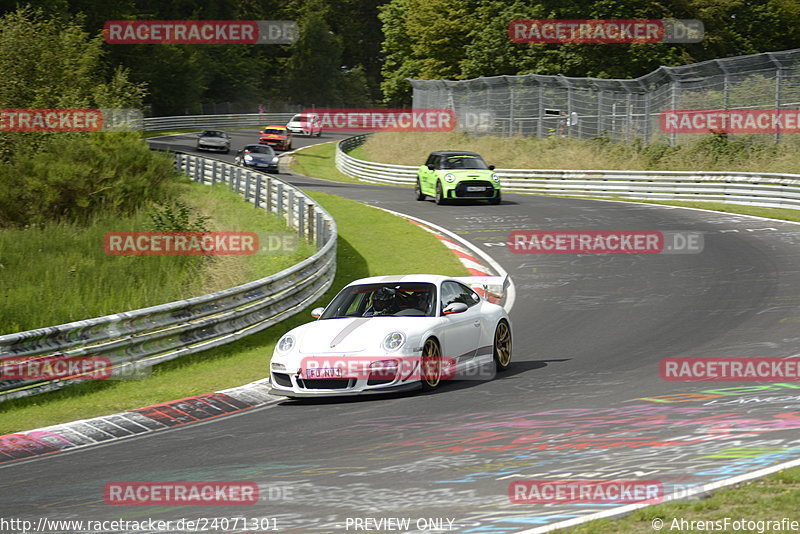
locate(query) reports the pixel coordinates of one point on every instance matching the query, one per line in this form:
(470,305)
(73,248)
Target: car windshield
(302,118)
(411,299)
(213,133)
(274,131)
(464,162)
(258,149)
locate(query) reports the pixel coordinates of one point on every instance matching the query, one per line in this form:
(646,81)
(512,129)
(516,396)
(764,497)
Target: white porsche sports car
(391,333)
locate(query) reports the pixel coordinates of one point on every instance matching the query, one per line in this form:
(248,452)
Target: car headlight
(394,341)
(248,158)
(496,177)
(275,160)
(449,178)
(286,343)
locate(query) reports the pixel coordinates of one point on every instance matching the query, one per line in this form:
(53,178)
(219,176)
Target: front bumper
(289,384)
(221,148)
(260,166)
(277,143)
(474,189)
(285,392)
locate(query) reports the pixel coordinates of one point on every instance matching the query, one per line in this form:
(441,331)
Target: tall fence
(138,339)
(770,190)
(539,105)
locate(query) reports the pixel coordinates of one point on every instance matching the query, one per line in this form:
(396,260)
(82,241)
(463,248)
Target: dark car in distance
(261,157)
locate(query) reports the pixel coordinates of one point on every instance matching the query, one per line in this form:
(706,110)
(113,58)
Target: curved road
(583,399)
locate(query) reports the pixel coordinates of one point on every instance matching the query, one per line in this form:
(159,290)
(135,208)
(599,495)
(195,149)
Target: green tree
(313,73)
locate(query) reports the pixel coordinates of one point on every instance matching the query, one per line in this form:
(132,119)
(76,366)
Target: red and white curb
(99,430)
(477,262)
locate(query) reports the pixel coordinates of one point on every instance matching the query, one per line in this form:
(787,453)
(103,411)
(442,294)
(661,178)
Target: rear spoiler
(491,288)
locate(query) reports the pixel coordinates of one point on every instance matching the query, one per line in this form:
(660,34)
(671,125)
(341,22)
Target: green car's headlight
(496,177)
(449,178)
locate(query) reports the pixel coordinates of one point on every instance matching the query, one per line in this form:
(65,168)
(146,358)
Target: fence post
(290,208)
(257,199)
(247,178)
(540,122)
(301,218)
(279,199)
(311,222)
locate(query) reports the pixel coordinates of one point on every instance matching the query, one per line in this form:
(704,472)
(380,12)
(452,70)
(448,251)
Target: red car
(276,136)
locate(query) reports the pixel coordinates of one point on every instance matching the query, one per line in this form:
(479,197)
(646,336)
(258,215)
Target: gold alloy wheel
(431,365)
(502,345)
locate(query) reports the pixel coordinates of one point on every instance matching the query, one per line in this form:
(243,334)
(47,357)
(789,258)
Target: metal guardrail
(770,190)
(142,338)
(208,122)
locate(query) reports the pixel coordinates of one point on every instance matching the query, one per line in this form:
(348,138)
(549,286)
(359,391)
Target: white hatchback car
(305,124)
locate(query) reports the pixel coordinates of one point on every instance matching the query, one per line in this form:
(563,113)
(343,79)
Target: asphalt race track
(582,400)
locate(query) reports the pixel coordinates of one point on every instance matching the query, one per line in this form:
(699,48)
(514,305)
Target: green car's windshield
(464,162)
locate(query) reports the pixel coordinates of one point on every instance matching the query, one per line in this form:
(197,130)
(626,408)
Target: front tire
(431,365)
(440,199)
(496,200)
(502,346)
(418,191)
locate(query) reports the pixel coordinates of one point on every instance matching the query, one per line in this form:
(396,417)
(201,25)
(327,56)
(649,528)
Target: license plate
(475,188)
(324,373)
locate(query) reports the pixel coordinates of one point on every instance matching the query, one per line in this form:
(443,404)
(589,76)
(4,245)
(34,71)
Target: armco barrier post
(291,208)
(301,219)
(248,178)
(310,208)
(257,199)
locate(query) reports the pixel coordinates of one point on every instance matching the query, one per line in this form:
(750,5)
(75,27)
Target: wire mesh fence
(622,110)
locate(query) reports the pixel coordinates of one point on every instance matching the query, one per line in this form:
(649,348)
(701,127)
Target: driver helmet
(383,298)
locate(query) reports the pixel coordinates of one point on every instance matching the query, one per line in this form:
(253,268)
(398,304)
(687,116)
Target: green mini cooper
(451,174)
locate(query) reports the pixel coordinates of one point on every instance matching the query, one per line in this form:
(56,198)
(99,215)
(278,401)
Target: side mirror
(455,307)
(316,313)
(491,167)
(430,166)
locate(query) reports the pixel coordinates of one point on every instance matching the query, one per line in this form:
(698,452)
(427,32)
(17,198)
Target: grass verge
(363,234)
(770,498)
(68,260)
(317,161)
